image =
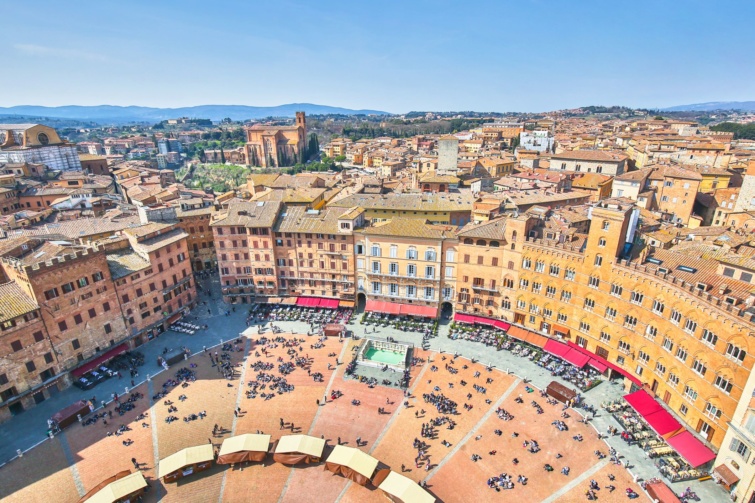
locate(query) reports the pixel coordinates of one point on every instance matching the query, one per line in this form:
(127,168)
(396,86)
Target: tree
(340,158)
(222,156)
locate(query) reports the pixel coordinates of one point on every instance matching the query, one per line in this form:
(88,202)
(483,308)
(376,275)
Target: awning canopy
(502,325)
(405,489)
(379,306)
(556,348)
(600,367)
(120,487)
(642,402)
(108,355)
(664,424)
(311,446)
(289,301)
(424,311)
(307,301)
(603,361)
(329,303)
(247,442)
(346,303)
(576,358)
(359,461)
(185,457)
(464,318)
(724,473)
(527,336)
(691,449)
(560,329)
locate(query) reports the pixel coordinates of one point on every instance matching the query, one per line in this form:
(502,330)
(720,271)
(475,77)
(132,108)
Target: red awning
(663,423)
(691,449)
(379,306)
(559,329)
(600,367)
(303,301)
(642,402)
(556,348)
(425,311)
(329,303)
(481,320)
(605,362)
(464,318)
(576,358)
(502,325)
(121,348)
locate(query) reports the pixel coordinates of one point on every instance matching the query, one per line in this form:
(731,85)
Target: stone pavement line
(476,427)
(153,425)
(575,482)
(242,380)
(317,414)
(390,422)
(72,462)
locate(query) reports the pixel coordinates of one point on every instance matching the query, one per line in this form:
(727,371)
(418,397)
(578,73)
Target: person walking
(136,465)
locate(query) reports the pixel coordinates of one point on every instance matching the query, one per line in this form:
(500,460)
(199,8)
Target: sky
(396,56)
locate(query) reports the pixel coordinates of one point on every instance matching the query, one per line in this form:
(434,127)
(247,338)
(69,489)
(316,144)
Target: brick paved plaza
(64,468)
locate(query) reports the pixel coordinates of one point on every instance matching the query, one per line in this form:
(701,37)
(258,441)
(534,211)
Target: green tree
(222,156)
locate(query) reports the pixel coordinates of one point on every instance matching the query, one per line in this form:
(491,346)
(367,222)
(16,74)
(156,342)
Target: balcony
(483,288)
(401,276)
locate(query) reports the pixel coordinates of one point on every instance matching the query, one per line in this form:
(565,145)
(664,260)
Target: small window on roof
(730,300)
(686,268)
(655,261)
(702,286)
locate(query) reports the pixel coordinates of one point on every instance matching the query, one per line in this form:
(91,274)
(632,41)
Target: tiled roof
(125,264)
(298,219)
(493,229)
(248,214)
(461,201)
(590,155)
(160,241)
(14,302)
(406,227)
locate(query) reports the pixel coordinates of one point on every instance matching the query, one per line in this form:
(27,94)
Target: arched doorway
(361,302)
(198,265)
(442,187)
(446,311)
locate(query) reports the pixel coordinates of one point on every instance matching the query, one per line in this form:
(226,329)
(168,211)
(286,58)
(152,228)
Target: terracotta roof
(125,264)
(493,229)
(406,227)
(590,155)
(14,302)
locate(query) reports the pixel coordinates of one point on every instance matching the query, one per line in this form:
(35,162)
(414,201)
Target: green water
(383,356)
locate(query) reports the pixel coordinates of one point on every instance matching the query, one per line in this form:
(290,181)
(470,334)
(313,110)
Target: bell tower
(301,120)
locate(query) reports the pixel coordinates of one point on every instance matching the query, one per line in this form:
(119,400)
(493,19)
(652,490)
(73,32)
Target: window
(393,268)
(728,272)
(62,326)
(555,270)
(539,266)
(550,291)
(658,307)
(375,251)
(594,282)
(106,306)
(430,255)
(82,282)
(699,367)
(690,394)
(97,277)
(521,304)
(605,336)
(589,304)
(606,225)
(581,342)
(651,332)
(602,242)
(740,448)
(16,346)
(506,304)
(109,329)
(570,274)
(75,344)
(411,291)
(450,255)
(393,288)
(660,369)
(429,272)
(68,288)
(30,367)
(562,317)
(376,287)
(51,293)
(411,270)
(683,410)
(449,272)
(494,262)
(598,260)
(584,326)
(636,298)
(38,337)
(643,357)
(624,347)
(690,326)
(673,379)
(565,296)
(524,284)
(616,290)
(393,251)
(676,317)
(526,264)
(709,337)
(376,267)
(411,253)
(630,321)
(681,354)
(735,353)
(723,384)
(429,292)
(610,313)
(547,312)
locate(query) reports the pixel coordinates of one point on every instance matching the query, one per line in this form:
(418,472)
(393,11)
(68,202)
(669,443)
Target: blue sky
(527,55)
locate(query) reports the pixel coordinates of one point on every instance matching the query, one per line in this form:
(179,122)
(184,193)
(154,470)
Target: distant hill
(118,114)
(713,105)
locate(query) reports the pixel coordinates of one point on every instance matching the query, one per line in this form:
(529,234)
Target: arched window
(480,242)
(494,244)
(468,241)
(430,255)
(411,253)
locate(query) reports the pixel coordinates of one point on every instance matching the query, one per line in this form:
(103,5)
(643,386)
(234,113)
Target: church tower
(301,121)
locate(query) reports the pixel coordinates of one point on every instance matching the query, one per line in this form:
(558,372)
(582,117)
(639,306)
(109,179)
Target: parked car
(84,383)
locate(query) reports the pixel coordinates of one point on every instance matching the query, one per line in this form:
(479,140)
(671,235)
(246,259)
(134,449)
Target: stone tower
(301,120)
(448,155)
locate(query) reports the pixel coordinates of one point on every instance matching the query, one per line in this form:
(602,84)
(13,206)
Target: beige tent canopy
(194,459)
(352,464)
(293,449)
(122,485)
(400,489)
(247,447)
